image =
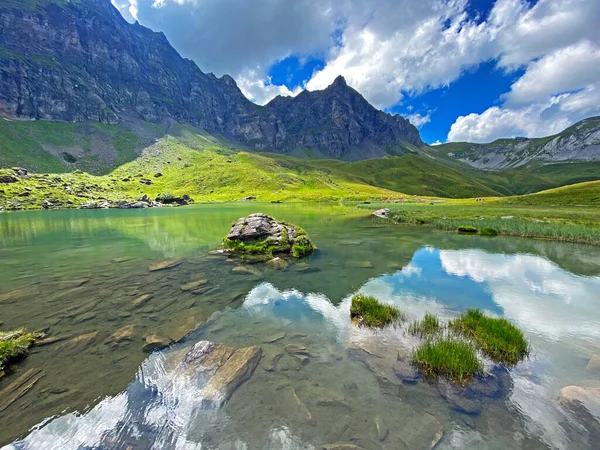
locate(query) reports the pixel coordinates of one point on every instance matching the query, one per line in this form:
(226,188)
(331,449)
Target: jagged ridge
(79,60)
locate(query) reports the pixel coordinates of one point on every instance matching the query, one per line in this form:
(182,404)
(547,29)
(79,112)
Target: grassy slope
(417,175)
(208,170)
(569,213)
(201,166)
(53,147)
(581,194)
(195,165)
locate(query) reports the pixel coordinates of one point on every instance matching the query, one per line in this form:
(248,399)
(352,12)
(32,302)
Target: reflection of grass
(373,314)
(429,325)
(15,347)
(449,357)
(499,339)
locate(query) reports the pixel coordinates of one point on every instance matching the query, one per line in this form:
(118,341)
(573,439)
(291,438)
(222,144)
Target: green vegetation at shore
(370,313)
(537,215)
(497,338)
(14,345)
(453,358)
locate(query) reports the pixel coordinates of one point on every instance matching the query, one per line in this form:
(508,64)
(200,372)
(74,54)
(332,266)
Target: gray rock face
(579,143)
(81,61)
(259,226)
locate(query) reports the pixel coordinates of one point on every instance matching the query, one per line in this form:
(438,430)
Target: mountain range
(78,61)
(81,88)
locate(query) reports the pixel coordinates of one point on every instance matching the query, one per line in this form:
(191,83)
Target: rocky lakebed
(220,349)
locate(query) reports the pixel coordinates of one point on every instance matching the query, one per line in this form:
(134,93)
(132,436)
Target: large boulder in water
(260,234)
(216,369)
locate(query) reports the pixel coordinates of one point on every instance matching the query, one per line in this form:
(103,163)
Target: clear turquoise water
(100,394)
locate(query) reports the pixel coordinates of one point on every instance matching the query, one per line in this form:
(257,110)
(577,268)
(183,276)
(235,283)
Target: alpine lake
(110,374)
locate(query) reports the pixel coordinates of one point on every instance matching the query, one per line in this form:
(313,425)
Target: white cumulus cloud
(419,120)
(392,49)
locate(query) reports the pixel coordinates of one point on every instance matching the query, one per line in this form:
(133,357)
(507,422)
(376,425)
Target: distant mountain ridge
(578,143)
(80,61)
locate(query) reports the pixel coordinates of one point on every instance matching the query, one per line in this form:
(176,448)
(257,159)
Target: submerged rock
(193,286)
(163,265)
(223,368)
(19,387)
(262,235)
(577,396)
(593,365)
(342,446)
(154,342)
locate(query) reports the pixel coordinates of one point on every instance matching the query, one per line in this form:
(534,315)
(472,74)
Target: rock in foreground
(223,368)
(259,234)
(575,396)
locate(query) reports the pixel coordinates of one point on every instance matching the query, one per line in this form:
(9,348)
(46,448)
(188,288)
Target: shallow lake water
(84,278)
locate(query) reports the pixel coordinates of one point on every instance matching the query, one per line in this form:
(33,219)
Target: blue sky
(460,70)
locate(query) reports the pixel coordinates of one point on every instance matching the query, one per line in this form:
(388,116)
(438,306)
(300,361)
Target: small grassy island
(14,345)
(497,338)
(261,235)
(369,312)
(451,350)
(450,357)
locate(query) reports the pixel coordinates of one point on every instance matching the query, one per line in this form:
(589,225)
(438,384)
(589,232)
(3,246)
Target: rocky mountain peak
(339,81)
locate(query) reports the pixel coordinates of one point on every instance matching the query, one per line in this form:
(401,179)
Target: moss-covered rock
(259,234)
(14,345)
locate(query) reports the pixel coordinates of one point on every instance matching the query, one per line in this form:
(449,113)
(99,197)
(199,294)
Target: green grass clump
(255,247)
(16,346)
(467,229)
(301,245)
(428,326)
(453,358)
(369,312)
(488,231)
(499,339)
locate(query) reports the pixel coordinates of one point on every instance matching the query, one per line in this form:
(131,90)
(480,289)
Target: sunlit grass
(450,357)
(371,313)
(497,338)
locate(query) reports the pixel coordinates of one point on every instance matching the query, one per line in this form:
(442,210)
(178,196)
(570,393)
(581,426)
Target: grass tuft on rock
(256,247)
(467,229)
(428,326)
(369,312)
(497,338)
(14,345)
(453,358)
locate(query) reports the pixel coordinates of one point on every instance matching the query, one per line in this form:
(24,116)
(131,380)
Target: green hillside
(203,166)
(522,180)
(209,168)
(582,194)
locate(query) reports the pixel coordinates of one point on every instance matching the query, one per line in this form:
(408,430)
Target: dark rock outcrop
(260,234)
(81,61)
